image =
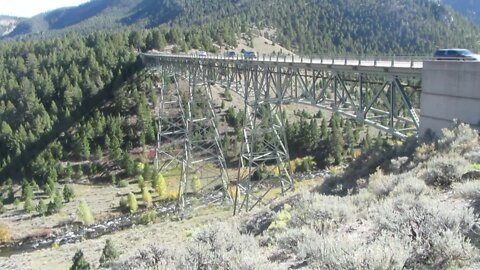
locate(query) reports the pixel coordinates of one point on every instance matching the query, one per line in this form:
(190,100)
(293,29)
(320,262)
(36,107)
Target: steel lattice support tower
(264,158)
(188,137)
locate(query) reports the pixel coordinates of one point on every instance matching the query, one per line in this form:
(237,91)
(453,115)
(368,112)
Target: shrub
(79,262)
(443,171)
(132,202)
(55,245)
(227,95)
(84,214)
(460,139)
(146,197)
(380,184)
(68,193)
(5,235)
(423,152)
(222,247)
(109,253)
(148,217)
(411,185)
(345,251)
(214,247)
(281,219)
(436,231)
(172,195)
(123,204)
(322,212)
(473,155)
(123,184)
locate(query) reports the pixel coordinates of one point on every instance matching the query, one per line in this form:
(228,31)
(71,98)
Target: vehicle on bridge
(202,53)
(249,55)
(455,54)
(231,54)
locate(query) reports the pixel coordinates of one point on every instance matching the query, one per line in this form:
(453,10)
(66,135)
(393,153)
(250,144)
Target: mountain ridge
(392,26)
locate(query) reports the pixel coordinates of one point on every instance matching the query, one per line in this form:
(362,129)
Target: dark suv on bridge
(455,54)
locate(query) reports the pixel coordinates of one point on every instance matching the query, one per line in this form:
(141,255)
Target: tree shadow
(363,166)
(155,12)
(62,18)
(15,167)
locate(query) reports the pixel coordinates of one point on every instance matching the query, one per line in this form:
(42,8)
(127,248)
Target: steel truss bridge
(384,94)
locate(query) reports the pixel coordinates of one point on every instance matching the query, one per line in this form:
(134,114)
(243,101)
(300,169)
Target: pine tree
(324,129)
(28,205)
(79,262)
(41,208)
(335,145)
(68,193)
(58,201)
(109,253)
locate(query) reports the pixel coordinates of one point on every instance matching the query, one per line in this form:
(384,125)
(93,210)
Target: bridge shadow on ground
(350,180)
(17,164)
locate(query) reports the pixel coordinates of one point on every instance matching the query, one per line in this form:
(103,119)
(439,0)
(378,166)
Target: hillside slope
(7,24)
(309,26)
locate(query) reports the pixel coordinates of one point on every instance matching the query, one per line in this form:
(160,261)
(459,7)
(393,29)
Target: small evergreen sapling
(147,197)
(68,193)
(160,185)
(84,214)
(132,202)
(79,262)
(109,253)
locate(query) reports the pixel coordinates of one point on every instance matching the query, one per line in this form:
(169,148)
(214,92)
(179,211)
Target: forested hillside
(70,99)
(470,8)
(309,26)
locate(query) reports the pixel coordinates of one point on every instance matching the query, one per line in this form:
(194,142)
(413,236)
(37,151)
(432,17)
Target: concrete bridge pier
(450,90)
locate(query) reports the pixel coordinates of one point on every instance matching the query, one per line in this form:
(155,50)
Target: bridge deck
(397,67)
